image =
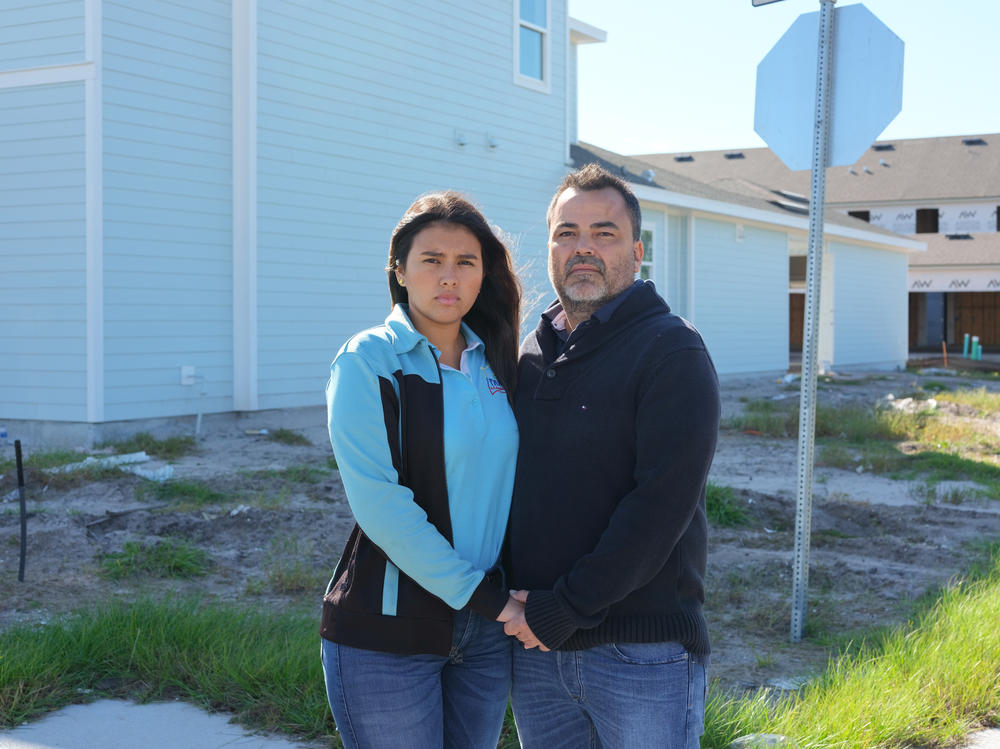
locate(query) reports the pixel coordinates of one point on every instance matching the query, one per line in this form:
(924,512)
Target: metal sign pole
(814,267)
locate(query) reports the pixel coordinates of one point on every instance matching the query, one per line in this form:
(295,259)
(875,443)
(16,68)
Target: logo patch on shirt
(494,385)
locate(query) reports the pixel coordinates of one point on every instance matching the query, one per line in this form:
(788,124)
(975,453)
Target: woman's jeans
(615,696)
(422,701)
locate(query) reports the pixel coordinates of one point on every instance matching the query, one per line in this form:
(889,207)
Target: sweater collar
(617,312)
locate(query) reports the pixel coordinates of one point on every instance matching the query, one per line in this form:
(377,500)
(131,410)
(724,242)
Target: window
(646,267)
(531,44)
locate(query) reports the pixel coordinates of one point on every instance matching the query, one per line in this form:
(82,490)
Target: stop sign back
(866,87)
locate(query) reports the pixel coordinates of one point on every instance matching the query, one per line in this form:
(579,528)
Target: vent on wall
(794,196)
(973,142)
(883,147)
(959,236)
(735,155)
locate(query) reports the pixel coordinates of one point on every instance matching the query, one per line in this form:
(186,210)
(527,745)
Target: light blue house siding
(43,368)
(33,33)
(167,93)
(118,195)
(870,307)
(739,295)
(361,108)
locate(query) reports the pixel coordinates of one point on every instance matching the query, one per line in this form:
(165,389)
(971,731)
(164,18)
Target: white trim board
(245,348)
(94,222)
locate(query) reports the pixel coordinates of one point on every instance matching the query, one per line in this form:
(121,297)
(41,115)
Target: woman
(414,652)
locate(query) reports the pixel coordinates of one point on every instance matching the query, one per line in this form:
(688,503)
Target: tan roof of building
(906,170)
(978,249)
(736,191)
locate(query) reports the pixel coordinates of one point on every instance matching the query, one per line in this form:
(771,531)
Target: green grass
(924,684)
(296,473)
(855,437)
(288,437)
(985,402)
(43,461)
(287,570)
(169,448)
(723,507)
(182,494)
(853,423)
(170,557)
(262,665)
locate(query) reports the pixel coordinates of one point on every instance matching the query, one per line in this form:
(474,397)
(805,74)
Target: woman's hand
(511,609)
(514,623)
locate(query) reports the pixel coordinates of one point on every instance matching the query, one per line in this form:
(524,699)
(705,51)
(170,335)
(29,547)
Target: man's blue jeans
(616,696)
(422,701)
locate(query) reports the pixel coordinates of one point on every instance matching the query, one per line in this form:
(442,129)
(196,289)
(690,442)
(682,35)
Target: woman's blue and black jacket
(386,417)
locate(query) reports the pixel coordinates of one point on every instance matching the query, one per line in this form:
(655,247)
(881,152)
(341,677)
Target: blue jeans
(422,701)
(616,696)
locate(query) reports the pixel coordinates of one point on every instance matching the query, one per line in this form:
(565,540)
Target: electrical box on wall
(187,374)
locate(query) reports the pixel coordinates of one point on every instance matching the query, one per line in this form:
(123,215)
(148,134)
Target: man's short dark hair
(596,177)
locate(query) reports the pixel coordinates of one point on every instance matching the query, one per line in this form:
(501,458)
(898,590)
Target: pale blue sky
(679,75)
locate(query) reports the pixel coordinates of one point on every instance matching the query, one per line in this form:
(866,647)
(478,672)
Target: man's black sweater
(618,430)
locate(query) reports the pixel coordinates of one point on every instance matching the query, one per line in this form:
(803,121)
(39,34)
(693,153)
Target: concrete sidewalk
(118,724)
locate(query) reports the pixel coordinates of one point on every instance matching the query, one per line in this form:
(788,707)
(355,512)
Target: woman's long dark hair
(495,315)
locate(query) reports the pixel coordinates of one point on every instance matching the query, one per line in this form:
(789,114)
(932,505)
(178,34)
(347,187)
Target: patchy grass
(769,418)
(296,473)
(170,557)
(42,461)
(891,441)
(723,507)
(268,499)
(169,448)
(180,494)
(985,402)
(287,570)
(288,437)
(924,684)
(853,423)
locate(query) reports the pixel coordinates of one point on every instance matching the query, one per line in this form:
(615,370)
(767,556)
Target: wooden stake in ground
(944,350)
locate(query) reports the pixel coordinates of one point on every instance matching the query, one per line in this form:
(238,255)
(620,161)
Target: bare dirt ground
(274,531)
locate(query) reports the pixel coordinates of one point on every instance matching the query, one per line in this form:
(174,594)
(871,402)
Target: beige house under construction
(945,191)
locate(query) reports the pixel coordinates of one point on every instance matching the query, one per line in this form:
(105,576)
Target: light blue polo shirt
(480,453)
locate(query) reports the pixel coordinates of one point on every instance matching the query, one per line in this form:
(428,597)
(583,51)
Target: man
(618,410)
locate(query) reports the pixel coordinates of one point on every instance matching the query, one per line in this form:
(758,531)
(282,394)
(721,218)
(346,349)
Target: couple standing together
(529,526)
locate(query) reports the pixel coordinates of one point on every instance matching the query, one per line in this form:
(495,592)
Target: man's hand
(518,626)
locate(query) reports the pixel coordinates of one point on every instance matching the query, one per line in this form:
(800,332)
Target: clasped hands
(514,622)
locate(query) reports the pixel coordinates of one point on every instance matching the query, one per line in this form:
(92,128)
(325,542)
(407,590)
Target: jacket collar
(404,337)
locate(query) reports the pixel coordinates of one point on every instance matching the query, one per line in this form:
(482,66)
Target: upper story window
(531,44)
